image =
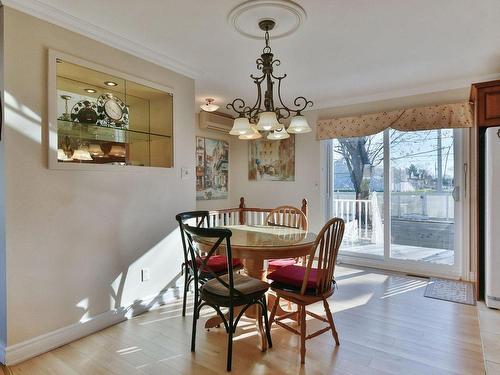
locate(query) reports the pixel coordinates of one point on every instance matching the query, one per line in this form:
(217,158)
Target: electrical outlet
(145,274)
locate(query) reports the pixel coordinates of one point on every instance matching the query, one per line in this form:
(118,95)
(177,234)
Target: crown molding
(60,18)
(420,90)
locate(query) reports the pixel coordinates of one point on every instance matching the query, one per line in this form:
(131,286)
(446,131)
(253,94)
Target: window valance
(457,115)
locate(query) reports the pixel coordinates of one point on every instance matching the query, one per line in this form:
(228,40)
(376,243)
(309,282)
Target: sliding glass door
(399,195)
(358,193)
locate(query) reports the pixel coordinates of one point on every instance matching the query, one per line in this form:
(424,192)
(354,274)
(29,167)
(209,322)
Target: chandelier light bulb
(299,125)
(278,134)
(268,121)
(209,106)
(241,126)
(254,135)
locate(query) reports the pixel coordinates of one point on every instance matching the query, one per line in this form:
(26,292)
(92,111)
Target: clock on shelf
(112,111)
(85,112)
(96,125)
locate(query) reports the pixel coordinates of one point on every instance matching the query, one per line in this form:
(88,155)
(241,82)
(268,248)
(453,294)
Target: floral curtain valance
(458,115)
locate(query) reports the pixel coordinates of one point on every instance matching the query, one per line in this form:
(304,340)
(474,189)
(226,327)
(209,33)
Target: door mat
(451,290)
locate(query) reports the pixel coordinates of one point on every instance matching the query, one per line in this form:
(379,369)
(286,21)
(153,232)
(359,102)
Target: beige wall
(3,290)
(77,240)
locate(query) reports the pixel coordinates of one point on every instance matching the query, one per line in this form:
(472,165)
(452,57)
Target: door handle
(456,193)
(465,179)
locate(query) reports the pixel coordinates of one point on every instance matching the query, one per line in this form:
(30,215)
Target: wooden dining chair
(307,285)
(230,290)
(285,216)
(217,263)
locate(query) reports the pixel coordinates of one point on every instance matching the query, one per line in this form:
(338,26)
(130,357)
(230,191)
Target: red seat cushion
(218,263)
(294,276)
(278,263)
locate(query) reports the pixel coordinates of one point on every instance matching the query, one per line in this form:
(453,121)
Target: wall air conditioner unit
(215,121)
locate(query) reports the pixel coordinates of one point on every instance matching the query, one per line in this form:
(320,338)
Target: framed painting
(271,160)
(212,169)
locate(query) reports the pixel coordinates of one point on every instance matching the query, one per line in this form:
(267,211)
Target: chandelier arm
(238,105)
(260,63)
(284,107)
(281,116)
(278,77)
(255,79)
(306,103)
(258,102)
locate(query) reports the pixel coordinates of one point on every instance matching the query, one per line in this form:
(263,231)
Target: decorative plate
(84,111)
(112,111)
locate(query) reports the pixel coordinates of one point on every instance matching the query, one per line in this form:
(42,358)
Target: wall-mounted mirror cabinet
(99,117)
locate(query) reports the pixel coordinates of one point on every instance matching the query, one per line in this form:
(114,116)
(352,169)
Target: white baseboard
(22,351)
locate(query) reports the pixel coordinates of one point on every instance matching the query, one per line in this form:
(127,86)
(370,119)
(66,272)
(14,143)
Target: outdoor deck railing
(356,214)
(243,215)
(364,217)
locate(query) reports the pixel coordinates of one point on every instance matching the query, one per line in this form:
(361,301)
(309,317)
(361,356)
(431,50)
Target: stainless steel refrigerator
(492,218)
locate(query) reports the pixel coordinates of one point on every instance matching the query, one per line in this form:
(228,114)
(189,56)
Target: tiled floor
(489,323)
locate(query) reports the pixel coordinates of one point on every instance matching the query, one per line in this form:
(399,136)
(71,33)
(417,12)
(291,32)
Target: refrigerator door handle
(465,179)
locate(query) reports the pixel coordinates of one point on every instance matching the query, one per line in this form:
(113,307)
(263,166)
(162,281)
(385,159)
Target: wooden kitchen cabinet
(486,98)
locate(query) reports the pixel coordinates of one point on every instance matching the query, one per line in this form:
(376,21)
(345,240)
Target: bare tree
(362,155)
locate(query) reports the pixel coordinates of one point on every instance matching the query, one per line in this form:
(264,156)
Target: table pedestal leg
(216,320)
(255,269)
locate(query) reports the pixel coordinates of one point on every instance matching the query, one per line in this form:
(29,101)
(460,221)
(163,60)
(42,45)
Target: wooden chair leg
(329,316)
(302,319)
(273,311)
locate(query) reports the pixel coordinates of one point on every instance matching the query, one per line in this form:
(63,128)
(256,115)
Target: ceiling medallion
(246,16)
(265,115)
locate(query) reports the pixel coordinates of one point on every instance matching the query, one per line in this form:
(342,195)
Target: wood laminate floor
(386,326)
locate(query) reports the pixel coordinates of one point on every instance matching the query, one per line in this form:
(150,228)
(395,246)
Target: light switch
(145,274)
(184,173)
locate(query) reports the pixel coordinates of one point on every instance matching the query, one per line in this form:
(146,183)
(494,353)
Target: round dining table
(254,244)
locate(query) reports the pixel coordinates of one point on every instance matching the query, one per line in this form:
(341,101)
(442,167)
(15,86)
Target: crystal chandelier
(265,116)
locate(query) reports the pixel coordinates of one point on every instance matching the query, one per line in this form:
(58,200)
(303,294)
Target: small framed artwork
(271,160)
(212,169)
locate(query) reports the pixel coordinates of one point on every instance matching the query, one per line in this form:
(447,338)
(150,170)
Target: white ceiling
(345,52)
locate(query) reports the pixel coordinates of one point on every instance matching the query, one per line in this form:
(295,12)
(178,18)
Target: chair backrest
(287,216)
(326,248)
(199,218)
(223,238)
